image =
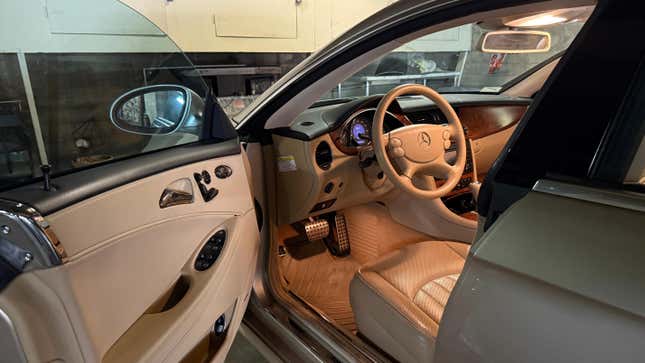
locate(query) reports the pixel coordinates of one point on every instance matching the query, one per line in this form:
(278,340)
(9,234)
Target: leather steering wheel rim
(420,148)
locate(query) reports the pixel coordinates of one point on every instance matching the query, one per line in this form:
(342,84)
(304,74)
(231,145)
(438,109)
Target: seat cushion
(399,299)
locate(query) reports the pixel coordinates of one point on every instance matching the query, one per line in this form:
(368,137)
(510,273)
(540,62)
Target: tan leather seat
(398,300)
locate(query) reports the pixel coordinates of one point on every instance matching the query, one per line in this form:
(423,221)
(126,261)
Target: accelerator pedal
(338,240)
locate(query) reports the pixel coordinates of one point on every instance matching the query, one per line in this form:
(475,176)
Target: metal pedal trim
(317,230)
(342,236)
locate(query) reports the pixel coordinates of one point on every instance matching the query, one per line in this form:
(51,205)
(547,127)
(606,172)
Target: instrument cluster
(357,130)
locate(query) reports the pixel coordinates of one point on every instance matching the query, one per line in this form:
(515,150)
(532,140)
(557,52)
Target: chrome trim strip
(614,198)
(37,229)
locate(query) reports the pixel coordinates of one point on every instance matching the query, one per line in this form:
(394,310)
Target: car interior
(375,199)
(344,204)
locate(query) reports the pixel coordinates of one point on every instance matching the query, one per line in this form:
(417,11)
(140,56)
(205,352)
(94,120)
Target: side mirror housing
(157,110)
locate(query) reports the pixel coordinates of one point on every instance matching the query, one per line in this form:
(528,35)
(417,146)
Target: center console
(460,200)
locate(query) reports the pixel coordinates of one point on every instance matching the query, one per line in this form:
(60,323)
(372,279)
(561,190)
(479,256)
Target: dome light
(536,20)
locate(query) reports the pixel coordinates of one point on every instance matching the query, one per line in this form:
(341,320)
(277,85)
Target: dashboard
(331,160)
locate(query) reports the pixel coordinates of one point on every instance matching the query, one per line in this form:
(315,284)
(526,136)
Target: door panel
(557,278)
(84,184)
(101,220)
(128,289)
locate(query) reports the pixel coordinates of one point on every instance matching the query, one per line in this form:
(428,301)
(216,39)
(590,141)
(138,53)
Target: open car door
(115,276)
(557,276)
(147,257)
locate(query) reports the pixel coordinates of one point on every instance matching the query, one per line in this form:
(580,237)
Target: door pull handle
(178,193)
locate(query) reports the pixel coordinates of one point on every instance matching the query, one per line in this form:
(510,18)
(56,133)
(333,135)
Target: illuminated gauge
(360,131)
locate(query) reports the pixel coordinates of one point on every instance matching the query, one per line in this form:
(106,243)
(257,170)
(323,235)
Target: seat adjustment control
(206,177)
(211,251)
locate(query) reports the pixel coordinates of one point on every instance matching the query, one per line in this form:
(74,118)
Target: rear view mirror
(153,110)
(516,41)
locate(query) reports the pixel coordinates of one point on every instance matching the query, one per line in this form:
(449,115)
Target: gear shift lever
(474,189)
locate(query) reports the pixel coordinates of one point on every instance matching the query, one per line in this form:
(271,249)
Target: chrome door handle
(171,197)
(177,193)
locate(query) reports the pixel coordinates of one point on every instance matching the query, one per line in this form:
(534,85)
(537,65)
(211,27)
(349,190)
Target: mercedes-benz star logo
(424,139)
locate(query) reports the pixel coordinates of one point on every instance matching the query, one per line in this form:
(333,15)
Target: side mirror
(156,110)
(516,41)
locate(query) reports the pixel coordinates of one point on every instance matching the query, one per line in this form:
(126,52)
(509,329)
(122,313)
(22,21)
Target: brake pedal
(338,241)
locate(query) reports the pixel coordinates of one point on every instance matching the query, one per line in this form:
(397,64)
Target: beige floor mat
(373,232)
(321,279)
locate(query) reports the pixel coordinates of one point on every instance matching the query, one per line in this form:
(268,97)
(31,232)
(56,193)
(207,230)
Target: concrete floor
(243,351)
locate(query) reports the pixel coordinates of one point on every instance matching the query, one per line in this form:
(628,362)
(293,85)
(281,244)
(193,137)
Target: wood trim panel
(473,216)
(483,121)
(336,137)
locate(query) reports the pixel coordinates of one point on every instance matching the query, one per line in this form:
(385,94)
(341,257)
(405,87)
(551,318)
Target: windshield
(452,60)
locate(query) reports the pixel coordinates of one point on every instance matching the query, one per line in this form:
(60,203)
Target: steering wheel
(419,150)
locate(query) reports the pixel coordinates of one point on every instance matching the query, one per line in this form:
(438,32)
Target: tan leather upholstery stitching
(438,291)
(430,327)
(459,248)
(415,282)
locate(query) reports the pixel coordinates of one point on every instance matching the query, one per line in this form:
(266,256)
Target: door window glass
(620,157)
(59,79)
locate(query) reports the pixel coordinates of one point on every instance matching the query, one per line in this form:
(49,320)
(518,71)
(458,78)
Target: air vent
(323,155)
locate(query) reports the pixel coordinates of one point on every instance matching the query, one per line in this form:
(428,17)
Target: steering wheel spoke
(408,167)
(440,168)
(426,182)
